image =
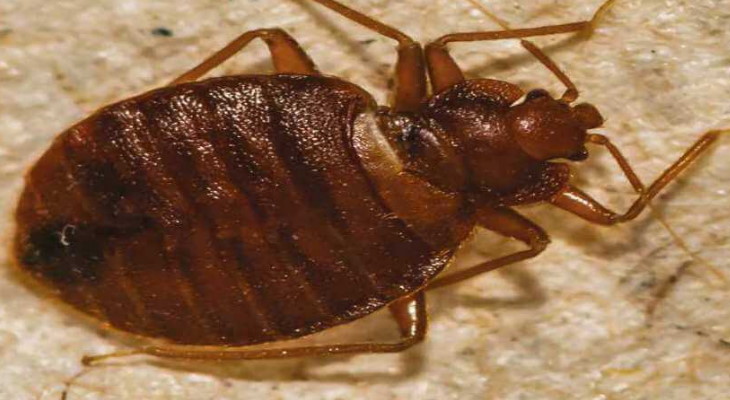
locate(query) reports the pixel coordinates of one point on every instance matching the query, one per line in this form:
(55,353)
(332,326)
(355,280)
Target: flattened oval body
(230,211)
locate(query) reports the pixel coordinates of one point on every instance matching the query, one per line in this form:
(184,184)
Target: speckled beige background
(572,324)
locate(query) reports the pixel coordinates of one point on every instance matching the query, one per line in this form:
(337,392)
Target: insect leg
(287,56)
(409,313)
(410,71)
(583,205)
(444,72)
(506,222)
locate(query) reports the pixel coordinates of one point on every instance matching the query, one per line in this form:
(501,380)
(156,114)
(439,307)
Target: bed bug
(214,215)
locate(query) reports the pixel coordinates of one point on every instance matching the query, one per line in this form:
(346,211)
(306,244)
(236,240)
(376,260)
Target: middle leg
(506,222)
(410,69)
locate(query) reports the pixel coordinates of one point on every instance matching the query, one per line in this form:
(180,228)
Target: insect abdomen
(230,211)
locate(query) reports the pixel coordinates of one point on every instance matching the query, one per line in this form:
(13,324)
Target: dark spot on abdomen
(65,252)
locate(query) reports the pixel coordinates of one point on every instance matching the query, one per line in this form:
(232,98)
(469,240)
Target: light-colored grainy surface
(570,324)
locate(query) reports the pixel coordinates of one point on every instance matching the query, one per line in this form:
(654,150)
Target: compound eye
(536,94)
(588,116)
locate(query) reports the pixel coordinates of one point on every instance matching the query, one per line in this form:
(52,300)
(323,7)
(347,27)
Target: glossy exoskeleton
(228,212)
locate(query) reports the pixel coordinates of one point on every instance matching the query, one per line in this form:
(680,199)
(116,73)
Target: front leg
(583,205)
(444,72)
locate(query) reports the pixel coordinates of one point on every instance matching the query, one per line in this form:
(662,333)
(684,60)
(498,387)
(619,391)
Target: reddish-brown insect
(223,213)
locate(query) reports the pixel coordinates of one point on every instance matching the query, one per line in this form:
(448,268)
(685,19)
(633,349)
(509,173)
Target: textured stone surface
(571,324)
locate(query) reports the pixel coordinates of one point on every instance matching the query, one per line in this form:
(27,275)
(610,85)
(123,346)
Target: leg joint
(409,341)
(408,43)
(275,31)
(539,243)
(267,34)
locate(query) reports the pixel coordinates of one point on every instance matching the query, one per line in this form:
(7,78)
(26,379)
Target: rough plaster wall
(571,324)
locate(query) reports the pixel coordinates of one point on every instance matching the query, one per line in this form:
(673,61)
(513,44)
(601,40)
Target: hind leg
(286,54)
(409,313)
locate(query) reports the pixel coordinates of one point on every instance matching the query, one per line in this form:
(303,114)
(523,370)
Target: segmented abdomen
(230,211)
